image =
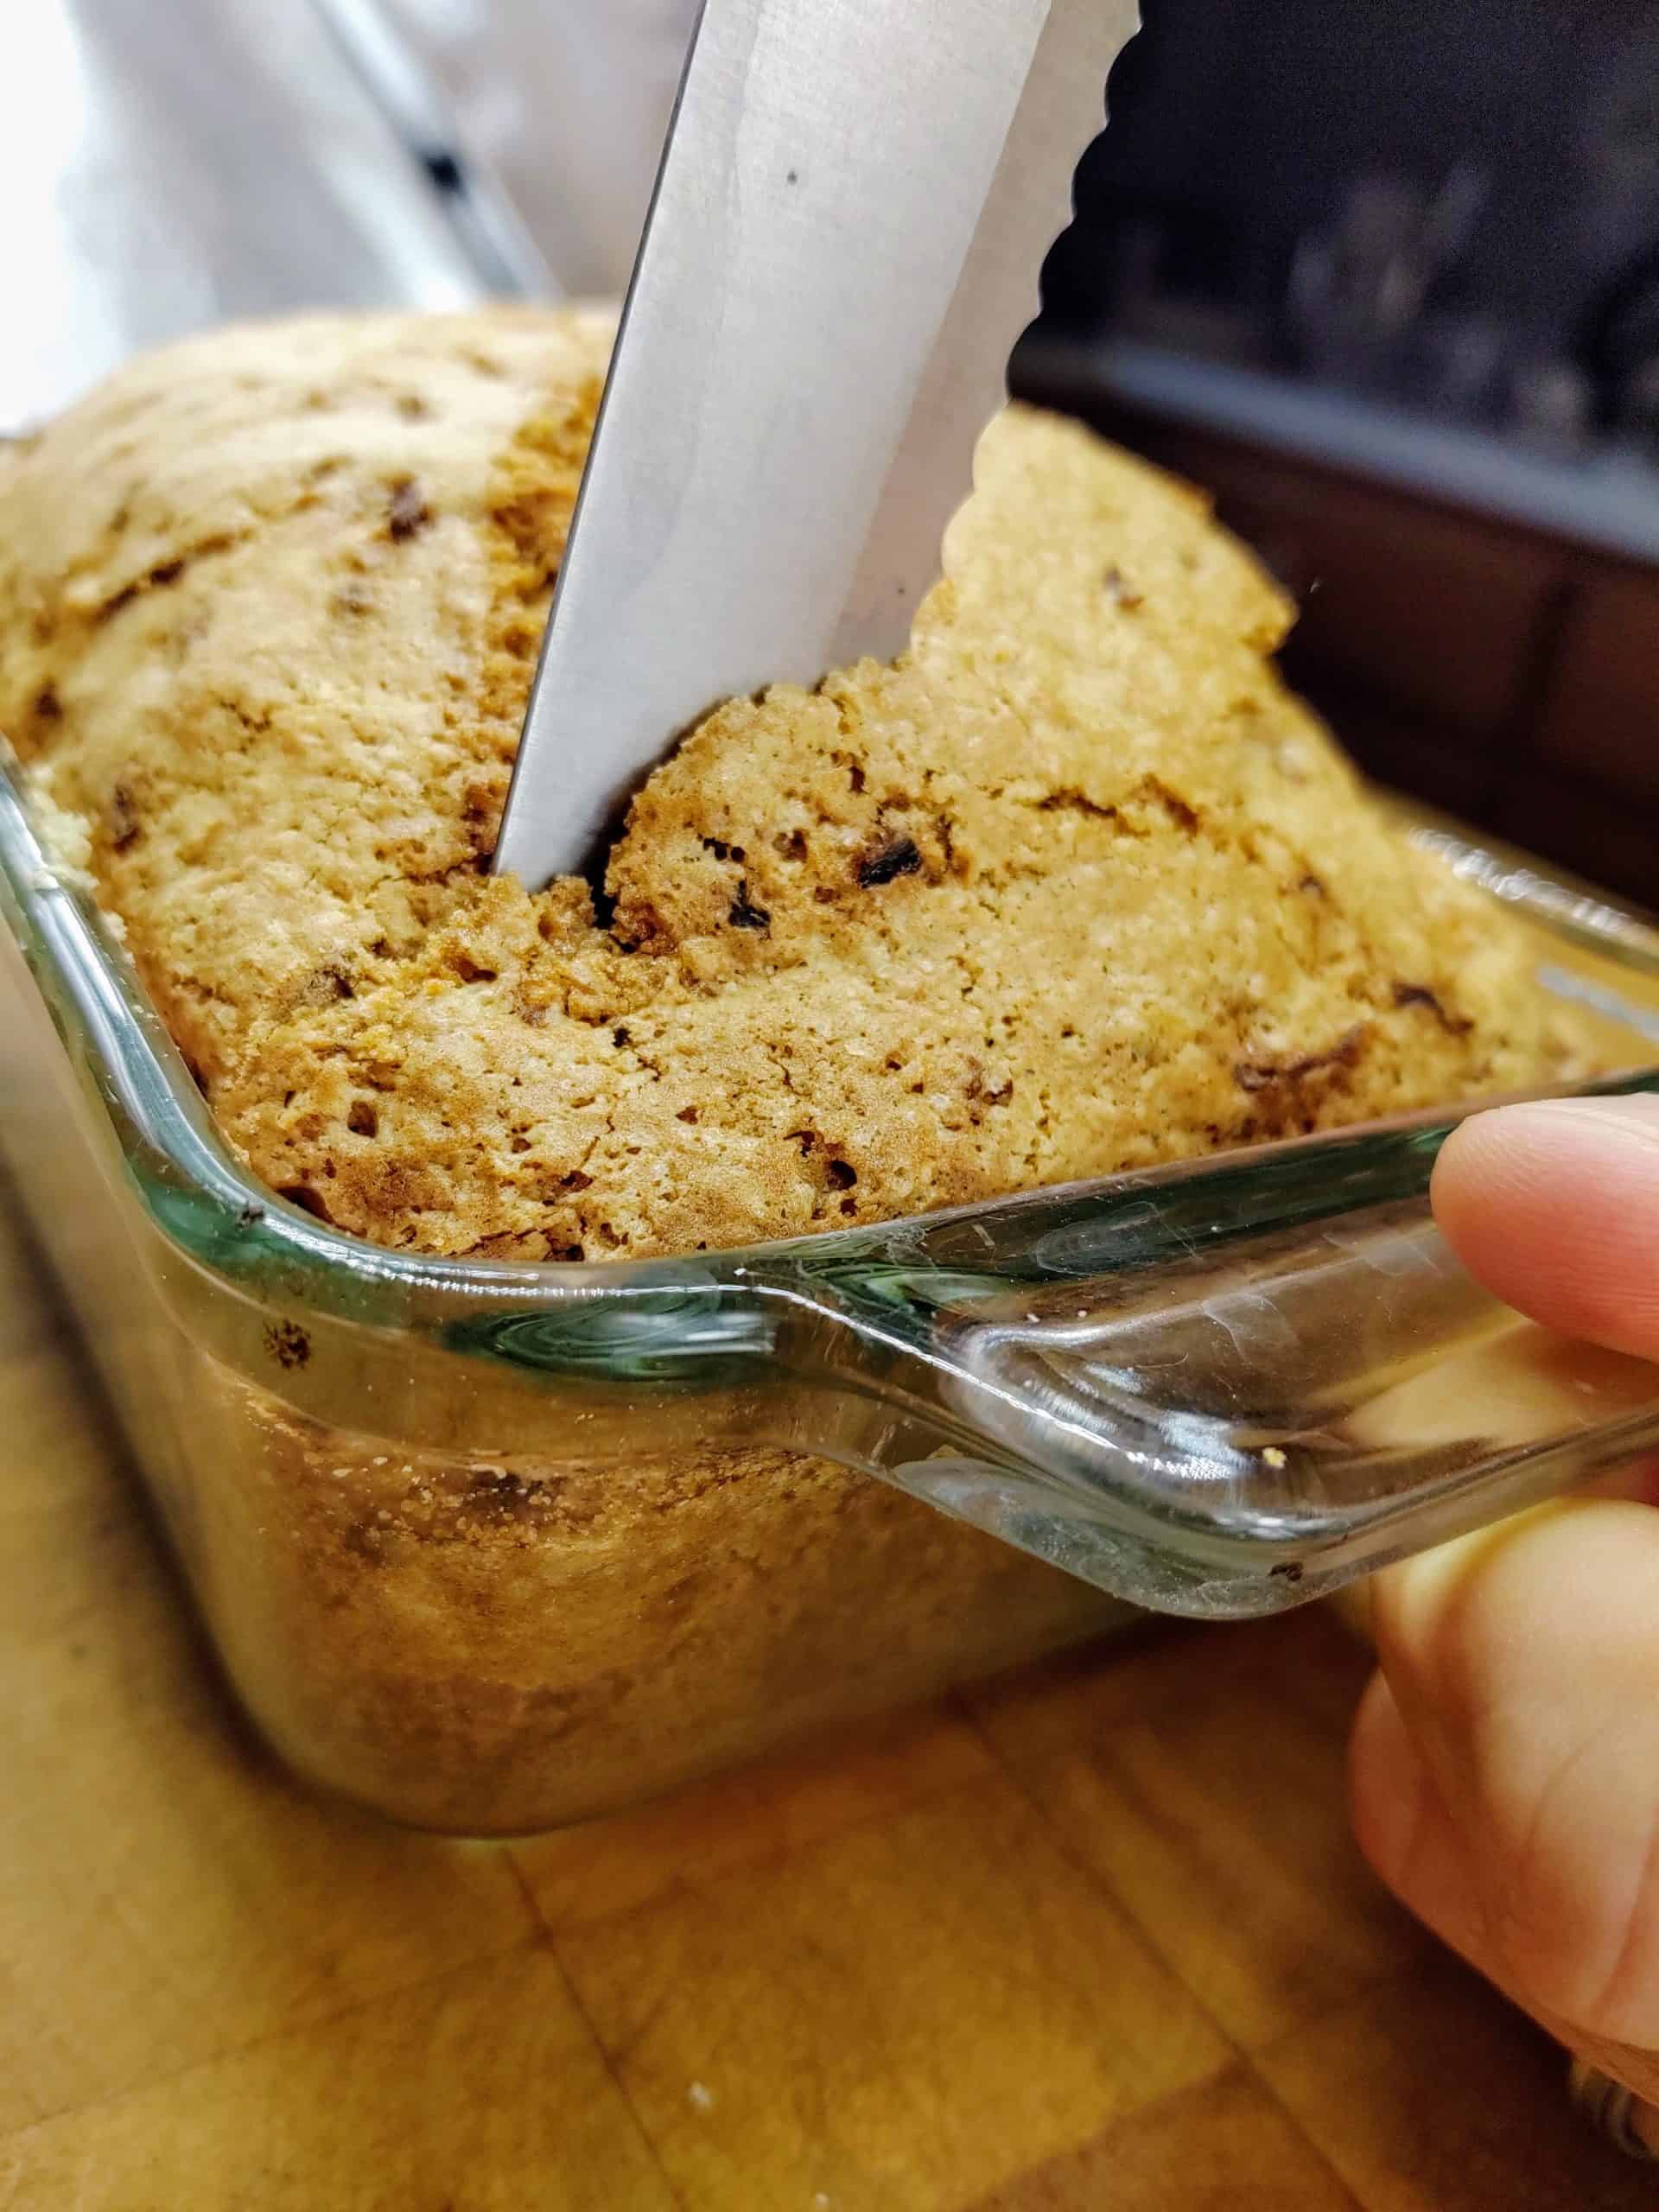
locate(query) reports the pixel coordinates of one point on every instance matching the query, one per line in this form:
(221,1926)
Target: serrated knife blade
(846,241)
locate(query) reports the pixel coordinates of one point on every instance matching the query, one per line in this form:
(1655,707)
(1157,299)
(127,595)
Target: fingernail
(1618,2111)
(1387,1783)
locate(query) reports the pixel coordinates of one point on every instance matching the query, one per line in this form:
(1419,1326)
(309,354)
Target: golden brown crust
(1077,886)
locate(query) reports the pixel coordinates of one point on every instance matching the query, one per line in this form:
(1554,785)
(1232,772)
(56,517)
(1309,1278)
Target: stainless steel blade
(845,245)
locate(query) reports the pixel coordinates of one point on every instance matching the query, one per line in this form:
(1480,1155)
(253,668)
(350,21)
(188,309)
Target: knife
(845,244)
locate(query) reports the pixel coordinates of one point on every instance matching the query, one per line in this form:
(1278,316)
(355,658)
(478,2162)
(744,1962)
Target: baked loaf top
(1075,888)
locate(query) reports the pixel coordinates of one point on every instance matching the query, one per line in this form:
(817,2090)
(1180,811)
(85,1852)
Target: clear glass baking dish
(490,1547)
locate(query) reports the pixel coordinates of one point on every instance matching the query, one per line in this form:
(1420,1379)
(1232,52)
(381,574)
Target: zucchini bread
(1075,888)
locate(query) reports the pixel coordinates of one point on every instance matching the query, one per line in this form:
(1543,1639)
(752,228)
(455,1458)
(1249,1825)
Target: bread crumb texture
(1077,886)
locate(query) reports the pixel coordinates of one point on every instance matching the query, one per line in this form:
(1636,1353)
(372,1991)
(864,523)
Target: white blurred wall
(567,101)
(167,164)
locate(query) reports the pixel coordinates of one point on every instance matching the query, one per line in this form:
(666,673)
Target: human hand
(1505,1770)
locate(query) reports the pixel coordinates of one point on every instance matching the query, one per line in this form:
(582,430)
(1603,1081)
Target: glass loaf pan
(492,1548)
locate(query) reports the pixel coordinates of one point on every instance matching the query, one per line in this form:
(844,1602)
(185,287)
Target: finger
(1415,1847)
(1639,1483)
(1554,1206)
(1403,1828)
(1523,1672)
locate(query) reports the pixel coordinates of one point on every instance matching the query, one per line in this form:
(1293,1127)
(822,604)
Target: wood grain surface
(1094,1938)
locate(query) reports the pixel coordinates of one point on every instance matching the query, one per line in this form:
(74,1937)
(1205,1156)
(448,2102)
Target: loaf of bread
(1075,888)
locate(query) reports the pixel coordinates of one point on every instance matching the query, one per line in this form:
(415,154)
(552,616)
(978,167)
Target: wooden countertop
(1094,1938)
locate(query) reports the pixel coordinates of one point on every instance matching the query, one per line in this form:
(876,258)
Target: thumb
(1554,1206)
(1506,1764)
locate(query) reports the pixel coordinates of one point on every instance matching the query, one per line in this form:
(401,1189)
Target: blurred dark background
(1385,274)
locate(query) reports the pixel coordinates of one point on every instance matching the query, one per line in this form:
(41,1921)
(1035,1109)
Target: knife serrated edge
(1031,206)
